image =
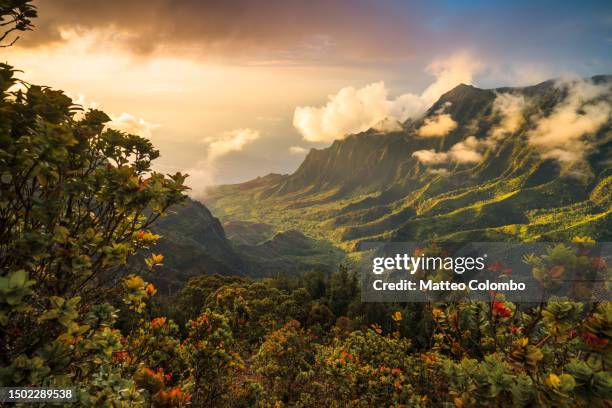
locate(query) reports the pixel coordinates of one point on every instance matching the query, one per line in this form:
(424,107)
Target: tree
(283,361)
(214,364)
(76,201)
(15,15)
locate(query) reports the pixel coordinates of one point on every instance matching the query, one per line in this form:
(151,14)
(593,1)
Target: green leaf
(18,278)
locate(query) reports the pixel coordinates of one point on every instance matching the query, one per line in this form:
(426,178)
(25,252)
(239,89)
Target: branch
(6,33)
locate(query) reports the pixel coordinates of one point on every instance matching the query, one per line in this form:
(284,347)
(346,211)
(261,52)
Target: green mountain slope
(369,186)
(290,252)
(194,242)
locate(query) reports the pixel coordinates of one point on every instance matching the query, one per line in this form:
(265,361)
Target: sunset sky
(231,90)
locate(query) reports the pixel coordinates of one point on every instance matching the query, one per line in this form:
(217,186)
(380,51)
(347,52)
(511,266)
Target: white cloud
(124,122)
(561,134)
(201,176)
(203,173)
(467,151)
(458,69)
(510,107)
(430,156)
(440,124)
(130,124)
(349,111)
(354,110)
(388,124)
(297,150)
(231,141)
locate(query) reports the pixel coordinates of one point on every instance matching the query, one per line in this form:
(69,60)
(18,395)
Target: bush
(76,201)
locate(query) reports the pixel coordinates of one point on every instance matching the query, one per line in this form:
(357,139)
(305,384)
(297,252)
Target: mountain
(248,233)
(371,186)
(194,242)
(290,252)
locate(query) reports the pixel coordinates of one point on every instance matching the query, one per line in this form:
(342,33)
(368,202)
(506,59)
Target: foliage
(76,202)
(284,360)
(15,15)
(213,362)
(460,354)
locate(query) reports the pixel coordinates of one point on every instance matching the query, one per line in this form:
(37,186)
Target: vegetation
(77,201)
(309,341)
(195,243)
(15,16)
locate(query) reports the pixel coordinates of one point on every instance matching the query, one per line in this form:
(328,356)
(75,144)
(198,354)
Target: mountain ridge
(369,186)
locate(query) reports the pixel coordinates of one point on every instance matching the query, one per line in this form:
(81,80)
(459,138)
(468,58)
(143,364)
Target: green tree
(76,199)
(214,363)
(284,360)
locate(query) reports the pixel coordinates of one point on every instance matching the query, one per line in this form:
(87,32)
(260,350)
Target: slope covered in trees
(195,243)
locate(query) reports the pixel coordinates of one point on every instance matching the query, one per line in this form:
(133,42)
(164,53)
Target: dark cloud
(329,31)
(269,29)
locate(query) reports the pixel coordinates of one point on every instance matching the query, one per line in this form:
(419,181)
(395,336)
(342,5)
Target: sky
(232,90)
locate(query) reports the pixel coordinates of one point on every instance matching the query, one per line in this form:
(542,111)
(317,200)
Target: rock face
(370,186)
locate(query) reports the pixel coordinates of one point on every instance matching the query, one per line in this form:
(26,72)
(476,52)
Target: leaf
(61,233)
(18,278)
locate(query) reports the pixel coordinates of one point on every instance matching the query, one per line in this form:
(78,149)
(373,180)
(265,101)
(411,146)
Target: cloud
(388,124)
(440,124)
(125,122)
(354,110)
(351,110)
(202,175)
(268,31)
(561,135)
(468,150)
(459,68)
(510,107)
(297,150)
(130,124)
(465,152)
(430,156)
(365,30)
(232,141)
